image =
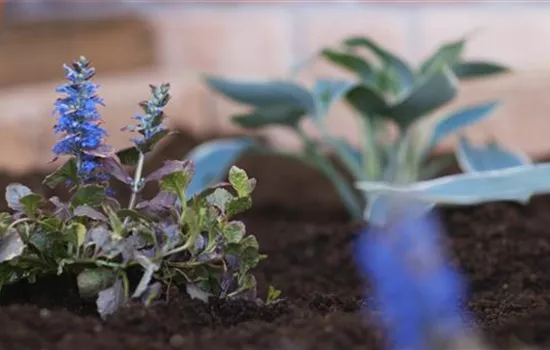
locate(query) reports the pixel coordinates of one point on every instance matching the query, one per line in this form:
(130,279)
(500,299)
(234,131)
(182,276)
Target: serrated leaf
(76,234)
(272,295)
(212,159)
(478,69)
(11,246)
(240,181)
(448,54)
(238,205)
(263,94)
(65,172)
(175,183)
(460,119)
(326,92)
(219,199)
(111,299)
(90,195)
(428,95)
(353,63)
(234,231)
(89,212)
(282,115)
(401,69)
(170,167)
(14,193)
(487,157)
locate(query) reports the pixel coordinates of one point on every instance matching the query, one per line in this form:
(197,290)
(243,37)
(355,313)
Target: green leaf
(5,221)
(433,92)
(234,231)
(366,100)
(65,172)
(130,155)
(350,62)
(434,167)
(448,54)
(89,212)
(240,181)
(116,224)
(238,205)
(14,193)
(76,233)
(272,295)
(11,246)
(264,94)
(30,203)
(272,115)
(220,198)
(90,195)
(478,69)
(176,183)
(404,74)
(91,281)
(326,92)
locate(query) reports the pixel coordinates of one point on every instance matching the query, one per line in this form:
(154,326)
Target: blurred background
(136,43)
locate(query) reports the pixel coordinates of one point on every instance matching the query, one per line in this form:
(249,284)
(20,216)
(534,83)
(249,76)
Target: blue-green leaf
(517,184)
(433,92)
(264,94)
(459,119)
(487,157)
(448,54)
(328,91)
(273,115)
(405,75)
(350,62)
(478,69)
(212,161)
(366,100)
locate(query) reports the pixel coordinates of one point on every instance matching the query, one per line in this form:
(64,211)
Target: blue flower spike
(415,288)
(79,122)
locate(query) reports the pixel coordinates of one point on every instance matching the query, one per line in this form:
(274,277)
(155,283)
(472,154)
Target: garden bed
(504,249)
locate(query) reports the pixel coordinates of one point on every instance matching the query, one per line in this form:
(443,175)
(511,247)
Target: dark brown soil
(504,249)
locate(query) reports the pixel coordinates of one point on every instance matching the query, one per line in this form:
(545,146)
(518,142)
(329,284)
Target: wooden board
(32,52)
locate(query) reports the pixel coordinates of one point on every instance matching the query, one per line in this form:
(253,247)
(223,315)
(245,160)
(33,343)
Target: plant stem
(136,184)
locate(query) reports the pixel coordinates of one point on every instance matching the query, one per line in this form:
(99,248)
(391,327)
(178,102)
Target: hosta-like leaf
(367,100)
(403,72)
(11,246)
(478,69)
(460,119)
(350,62)
(487,157)
(448,54)
(282,115)
(428,95)
(14,193)
(263,94)
(326,92)
(212,161)
(516,184)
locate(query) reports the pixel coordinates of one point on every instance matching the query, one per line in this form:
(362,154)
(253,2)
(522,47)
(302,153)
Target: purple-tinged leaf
(103,151)
(152,292)
(170,167)
(61,209)
(14,193)
(232,261)
(111,299)
(11,246)
(200,243)
(89,212)
(116,170)
(227,283)
(162,201)
(150,269)
(99,236)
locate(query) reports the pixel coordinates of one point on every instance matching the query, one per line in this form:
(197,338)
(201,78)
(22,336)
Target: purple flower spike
(416,289)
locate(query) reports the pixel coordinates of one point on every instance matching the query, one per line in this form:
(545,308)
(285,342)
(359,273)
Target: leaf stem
(136,184)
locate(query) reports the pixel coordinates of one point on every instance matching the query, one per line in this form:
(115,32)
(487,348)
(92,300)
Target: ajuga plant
(185,235)
(385,92)
(417,292)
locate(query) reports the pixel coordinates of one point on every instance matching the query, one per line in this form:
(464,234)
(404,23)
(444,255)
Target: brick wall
(262,40)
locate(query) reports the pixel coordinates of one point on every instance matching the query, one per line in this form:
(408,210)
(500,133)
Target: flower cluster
(416,288)
(150,125)
(79,120)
